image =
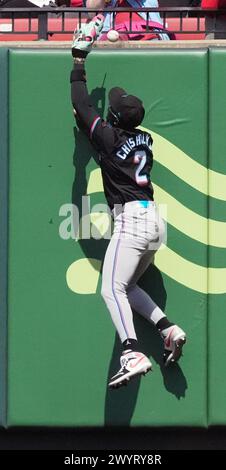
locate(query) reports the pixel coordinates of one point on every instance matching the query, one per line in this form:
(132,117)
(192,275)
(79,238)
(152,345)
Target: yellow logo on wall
(83,275)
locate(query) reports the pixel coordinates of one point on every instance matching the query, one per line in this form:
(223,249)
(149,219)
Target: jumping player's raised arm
(88,119)
(86,115)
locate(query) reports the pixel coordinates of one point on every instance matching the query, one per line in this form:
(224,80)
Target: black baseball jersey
(125,156)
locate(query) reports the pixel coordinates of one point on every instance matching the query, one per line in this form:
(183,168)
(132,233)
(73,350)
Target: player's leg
(120,263)
(173,336)
(126,259)
(115,274)
(138,298)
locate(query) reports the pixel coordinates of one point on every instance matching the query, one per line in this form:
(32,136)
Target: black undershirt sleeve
(88,120)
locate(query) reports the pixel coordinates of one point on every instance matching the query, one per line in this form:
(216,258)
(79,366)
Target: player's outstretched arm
(87,118)
(83,40)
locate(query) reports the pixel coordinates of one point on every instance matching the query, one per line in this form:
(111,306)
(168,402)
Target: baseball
(113,35)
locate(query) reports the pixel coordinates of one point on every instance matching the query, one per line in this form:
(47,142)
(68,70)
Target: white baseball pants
(138,233)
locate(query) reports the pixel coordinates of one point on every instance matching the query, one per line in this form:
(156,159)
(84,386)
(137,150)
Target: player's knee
(119,288)
(106,293)
(109,292)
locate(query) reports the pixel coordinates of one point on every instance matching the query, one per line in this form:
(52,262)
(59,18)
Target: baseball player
(125,156)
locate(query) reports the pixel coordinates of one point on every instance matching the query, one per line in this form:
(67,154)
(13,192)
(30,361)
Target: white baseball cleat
(174,340)
(132,364)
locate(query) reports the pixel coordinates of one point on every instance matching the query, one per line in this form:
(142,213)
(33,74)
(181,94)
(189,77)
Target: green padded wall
(217,255)
(3,227)
(55,308)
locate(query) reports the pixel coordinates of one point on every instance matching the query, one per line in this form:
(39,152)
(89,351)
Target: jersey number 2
(140,159)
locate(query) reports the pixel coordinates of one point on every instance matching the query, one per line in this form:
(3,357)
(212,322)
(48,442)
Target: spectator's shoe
(174,340)
(132,364)
(84,37)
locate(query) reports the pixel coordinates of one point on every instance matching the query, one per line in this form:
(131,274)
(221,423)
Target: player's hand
(84,37)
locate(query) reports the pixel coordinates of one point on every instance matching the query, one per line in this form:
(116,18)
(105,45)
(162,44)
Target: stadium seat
(188,24)
(55,28)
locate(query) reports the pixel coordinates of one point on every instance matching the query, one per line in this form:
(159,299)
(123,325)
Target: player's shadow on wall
(120,404)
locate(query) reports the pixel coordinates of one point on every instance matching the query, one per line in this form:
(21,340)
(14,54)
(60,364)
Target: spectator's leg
(95,3)
(220,26)
(209,25)
(98,4)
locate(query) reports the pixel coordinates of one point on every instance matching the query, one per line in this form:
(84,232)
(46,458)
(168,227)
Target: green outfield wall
(58,345)
(3,229)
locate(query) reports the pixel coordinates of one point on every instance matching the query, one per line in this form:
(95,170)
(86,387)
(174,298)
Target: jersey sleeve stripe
(96,120)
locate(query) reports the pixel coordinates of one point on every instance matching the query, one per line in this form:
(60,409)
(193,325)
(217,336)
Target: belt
(138,204)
